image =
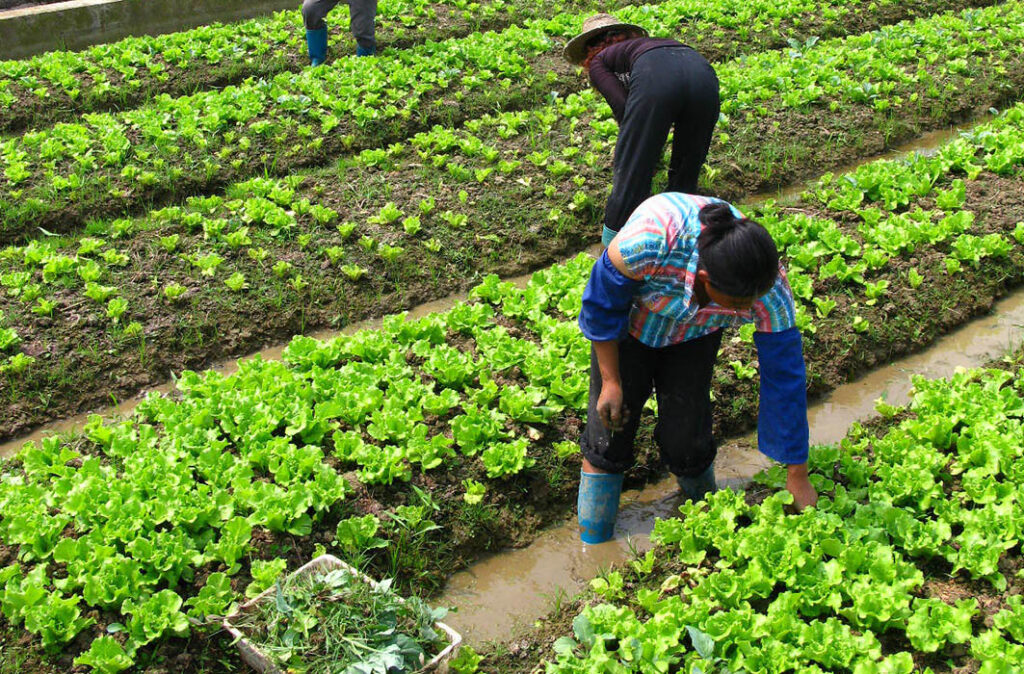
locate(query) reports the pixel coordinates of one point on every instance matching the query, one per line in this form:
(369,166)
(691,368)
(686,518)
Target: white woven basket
(262,663)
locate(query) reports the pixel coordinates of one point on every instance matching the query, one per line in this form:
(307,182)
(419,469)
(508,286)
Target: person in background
(653,85)
(681,269)
(362,14)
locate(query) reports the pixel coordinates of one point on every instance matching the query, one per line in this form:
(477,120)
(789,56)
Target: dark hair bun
(738,254)
(718,216)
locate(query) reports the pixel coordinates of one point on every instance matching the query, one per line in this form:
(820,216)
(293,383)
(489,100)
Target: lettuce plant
(503,459)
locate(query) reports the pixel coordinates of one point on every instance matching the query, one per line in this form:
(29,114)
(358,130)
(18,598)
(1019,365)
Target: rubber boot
(316,43)
(696,488)
(598,505)
(365,51)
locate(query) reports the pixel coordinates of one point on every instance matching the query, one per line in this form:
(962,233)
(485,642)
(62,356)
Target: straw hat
(576,51)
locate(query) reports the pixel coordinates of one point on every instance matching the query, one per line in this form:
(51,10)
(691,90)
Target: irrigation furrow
(904,490)
(525,581)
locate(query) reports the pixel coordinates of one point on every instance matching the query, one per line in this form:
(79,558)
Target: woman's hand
(799,485)
(610,406)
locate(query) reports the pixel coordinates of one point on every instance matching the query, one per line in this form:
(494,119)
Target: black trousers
(681,377)
(668,87)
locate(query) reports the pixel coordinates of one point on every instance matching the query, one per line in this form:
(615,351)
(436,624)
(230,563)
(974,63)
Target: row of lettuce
(265,232)
(182,486)
(468,157)
(266,210)
(148,519)
(59,85)
(906,565)
(884,199)
(55,177)
(344,253)
(551,157)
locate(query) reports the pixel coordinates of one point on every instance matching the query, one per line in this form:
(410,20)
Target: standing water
(510,589)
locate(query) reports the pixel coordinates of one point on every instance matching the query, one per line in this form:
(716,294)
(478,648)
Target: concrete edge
(78,24)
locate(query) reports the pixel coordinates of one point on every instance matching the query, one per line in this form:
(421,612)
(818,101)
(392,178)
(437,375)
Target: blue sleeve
(782,432)
(607,300)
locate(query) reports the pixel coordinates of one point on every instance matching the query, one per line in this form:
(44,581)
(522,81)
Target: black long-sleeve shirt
(610,69)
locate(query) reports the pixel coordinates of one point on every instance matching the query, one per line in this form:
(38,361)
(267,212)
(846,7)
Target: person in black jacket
(653,85)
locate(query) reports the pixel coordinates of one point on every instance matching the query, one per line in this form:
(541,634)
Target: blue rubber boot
(316,43)
(696,488)
(598,505)
(365,51)
(606,236)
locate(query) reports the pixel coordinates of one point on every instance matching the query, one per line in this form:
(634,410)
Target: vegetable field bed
(259,127)
(396,226)
(911,562)
(60,86)
(411,449)
(60,177)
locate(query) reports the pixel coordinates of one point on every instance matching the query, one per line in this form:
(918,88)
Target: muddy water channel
(509,590)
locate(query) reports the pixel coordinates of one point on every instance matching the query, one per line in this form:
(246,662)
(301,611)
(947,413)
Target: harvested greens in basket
(335,622)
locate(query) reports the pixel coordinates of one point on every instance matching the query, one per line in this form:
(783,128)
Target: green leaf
(564,646)
(264,574)
(360,533)
(583,630)
(105,655)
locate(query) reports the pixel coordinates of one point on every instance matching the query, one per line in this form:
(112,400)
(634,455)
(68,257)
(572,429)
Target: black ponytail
(738,254)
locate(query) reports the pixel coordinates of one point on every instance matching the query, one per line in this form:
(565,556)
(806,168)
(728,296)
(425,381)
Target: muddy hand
(610,408)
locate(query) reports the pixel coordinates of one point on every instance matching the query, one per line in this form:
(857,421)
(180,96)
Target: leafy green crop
(105,655)
(154,617)
(817,591)
(470,389)
(98,158)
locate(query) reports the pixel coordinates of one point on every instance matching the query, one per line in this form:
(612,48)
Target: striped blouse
(659,244)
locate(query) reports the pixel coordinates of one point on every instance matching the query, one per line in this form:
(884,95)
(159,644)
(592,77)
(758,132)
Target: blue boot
(598,505)
(365,51)
(316,43)
(696,488)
